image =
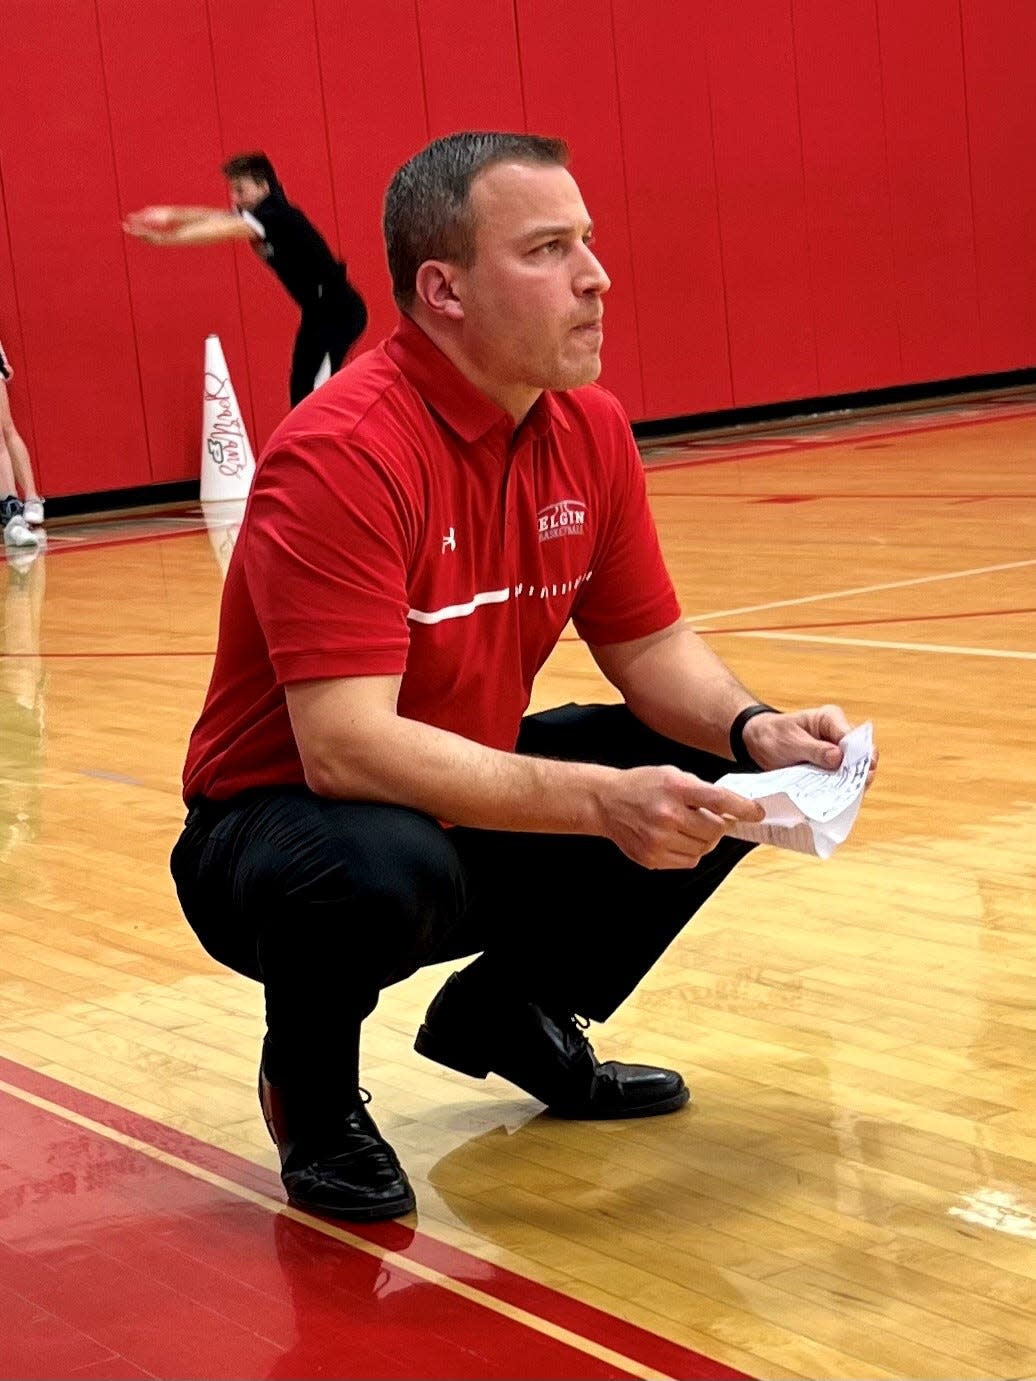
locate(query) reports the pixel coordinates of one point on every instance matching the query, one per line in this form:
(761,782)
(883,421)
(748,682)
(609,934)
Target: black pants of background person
(330,327)
(327,902)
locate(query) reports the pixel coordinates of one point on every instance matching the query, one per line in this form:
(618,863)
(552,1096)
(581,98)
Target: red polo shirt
(399,525)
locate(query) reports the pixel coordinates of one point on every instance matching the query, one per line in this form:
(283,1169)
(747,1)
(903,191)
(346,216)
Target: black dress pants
(329,328)
(327,902)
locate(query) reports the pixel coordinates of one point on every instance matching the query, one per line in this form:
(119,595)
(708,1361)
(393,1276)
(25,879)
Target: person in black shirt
(334,314)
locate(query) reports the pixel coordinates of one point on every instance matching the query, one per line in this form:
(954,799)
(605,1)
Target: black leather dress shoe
(338,1164)
(545,1054)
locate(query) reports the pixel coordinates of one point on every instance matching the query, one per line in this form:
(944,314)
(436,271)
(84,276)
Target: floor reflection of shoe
(17,533)
(333,1160)
(32,512)
(21,559)
(545,1053)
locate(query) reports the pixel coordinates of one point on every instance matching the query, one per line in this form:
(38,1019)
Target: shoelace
(576,1026)
(377,1146)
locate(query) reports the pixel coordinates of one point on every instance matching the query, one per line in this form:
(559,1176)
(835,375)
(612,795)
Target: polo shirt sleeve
(328,538)
(629,594)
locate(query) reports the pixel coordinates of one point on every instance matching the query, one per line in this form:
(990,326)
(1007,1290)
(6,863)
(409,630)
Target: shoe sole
(673,1104)
(426,1044)
(359,1215)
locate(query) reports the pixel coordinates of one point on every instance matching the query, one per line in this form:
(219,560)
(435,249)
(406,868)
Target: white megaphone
(227,463)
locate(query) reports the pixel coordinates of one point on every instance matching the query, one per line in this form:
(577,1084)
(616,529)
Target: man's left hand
(784,740)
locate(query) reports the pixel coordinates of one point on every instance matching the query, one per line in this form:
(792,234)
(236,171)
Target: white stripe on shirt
(253,223)
(459,611)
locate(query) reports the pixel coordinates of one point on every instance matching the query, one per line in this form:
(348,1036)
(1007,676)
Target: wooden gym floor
(853,1191)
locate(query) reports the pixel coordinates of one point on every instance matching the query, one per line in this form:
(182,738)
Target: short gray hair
(427,207)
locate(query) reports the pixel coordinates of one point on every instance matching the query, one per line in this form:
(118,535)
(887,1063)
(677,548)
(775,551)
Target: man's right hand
(661,817)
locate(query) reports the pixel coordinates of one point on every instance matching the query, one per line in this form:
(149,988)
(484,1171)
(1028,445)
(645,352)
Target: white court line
(859,590)
(898,647)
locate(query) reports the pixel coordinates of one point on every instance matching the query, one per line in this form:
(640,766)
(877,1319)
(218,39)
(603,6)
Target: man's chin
(577,375)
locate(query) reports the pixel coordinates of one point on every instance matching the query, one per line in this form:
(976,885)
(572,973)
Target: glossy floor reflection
(124,1253)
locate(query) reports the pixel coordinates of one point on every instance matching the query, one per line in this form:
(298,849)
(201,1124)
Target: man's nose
(592,277)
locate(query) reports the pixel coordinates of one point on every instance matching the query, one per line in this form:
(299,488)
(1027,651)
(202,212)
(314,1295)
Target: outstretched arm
(168,217)
(187,225)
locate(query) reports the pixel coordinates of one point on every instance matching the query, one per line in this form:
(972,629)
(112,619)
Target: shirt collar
(464,408)
(274,197)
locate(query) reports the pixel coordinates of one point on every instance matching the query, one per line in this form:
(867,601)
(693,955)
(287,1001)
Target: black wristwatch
(738,751)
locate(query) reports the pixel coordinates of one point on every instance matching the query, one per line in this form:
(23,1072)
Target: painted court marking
(402,1263)
(776,448)
(858,590)
(945,648)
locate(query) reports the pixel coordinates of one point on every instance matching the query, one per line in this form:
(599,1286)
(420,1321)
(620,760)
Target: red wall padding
(848,218)
(792,198)
(21,402)
(930,186)
(673,218)
(999,67)
(460,37)
(762,200)
(68,252)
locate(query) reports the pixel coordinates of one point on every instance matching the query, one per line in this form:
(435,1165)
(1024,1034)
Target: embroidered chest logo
(449,542)
(566,518)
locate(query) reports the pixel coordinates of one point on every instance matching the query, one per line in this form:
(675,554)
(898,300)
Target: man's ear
(436,286)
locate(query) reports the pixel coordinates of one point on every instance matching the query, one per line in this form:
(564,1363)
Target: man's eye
(551,247)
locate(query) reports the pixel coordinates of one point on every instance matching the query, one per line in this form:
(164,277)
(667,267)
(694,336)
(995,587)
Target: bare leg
(16,532)
(17,449)
(7,486)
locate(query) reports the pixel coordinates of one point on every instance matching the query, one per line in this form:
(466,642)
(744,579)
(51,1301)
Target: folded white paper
(808,809)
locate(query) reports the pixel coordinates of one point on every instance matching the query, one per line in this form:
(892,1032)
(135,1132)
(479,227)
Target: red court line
(705,629)
(63,549)
(801,444)
(59,656)
(176,1277)
(156,512)
(638,1344)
